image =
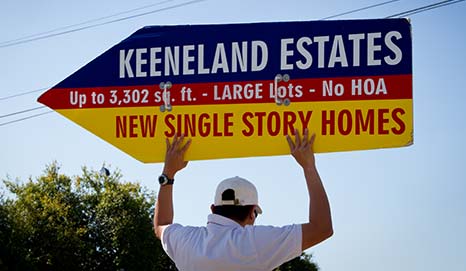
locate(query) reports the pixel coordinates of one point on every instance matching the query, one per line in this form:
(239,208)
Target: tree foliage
(88,222)
(302,263)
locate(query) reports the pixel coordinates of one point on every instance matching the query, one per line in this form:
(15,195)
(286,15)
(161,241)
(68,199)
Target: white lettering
(154,61)
(393,47)
(187,59)
(305,53)
(238,92)
(140,61)
(239,56)
(338,53)
(220,59)
(172,60)
(255,65)
(124,63)
(200,60)
(372,48)
(285,53)
(356,38)
(252,56)
(321,40)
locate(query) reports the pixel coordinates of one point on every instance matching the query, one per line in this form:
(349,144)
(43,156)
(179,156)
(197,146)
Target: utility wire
(359,9)
(85,22)
(99,24)
(22,111)
(21,94)
(25,118)
(40,36)
(425,8)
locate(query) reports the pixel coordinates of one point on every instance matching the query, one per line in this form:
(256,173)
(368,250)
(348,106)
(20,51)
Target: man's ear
(212,208)
(252,215)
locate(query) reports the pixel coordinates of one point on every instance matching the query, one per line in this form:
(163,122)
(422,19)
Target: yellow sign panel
(240,130)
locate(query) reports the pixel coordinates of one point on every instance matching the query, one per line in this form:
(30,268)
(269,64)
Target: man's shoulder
(177,229)
(266,233)
(271,228)
(178,233)
(180,227)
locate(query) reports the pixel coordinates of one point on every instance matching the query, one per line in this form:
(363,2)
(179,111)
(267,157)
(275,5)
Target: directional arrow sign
(238,89)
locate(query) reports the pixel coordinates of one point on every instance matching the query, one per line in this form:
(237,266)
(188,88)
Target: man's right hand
(319,226)
(302,149)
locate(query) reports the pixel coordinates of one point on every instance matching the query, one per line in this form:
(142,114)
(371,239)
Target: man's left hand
(174,157)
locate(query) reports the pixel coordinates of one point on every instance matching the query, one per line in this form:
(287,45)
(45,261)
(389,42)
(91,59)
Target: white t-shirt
(224,245)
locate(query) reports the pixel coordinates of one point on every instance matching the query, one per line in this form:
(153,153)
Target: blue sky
(393,209)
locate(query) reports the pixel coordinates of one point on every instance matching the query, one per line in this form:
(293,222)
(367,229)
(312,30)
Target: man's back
(225,245)
(230,241)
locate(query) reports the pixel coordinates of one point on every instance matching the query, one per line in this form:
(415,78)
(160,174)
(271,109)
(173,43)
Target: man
(230,241)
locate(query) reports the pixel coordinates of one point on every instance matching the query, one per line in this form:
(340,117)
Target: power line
(359,9)
(425,8)
(25,118)
(22,94)
(22,111)
(44,35)
(85,22)
(99,24)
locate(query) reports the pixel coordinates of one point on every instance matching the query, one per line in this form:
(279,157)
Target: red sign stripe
(388,87)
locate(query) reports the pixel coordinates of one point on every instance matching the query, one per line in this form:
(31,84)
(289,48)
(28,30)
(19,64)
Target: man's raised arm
(174,162)
(319,226)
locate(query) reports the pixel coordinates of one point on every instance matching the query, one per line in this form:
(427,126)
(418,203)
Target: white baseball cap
(245,193)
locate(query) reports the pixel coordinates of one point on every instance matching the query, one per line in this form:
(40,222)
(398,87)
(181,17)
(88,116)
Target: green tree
(301,263)
(90,222)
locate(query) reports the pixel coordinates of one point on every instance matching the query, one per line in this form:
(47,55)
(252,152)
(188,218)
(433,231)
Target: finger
(297,138)
(167,141)
(311,142)
(290,143)
(180,140)
(175,141)
(186,146)
(305,138)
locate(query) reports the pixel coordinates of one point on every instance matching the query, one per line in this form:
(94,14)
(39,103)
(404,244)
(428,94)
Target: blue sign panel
(259,51)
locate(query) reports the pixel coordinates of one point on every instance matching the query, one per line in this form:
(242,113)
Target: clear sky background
(393,209)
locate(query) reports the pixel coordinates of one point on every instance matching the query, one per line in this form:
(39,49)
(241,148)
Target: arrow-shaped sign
(238,89)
